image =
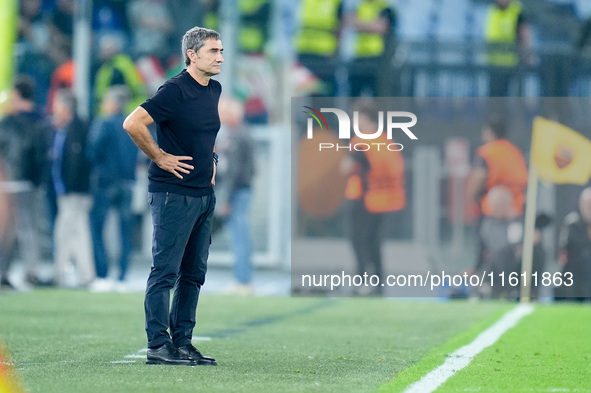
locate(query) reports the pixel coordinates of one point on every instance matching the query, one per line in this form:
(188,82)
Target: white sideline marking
(135,356)
(463,356)
(140,354)
(200,338)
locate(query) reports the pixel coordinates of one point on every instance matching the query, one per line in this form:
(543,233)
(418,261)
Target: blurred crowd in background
(63,163)
(340,47)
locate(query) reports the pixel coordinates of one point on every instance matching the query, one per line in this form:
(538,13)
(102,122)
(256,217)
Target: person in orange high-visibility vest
(498,162)
(375,187)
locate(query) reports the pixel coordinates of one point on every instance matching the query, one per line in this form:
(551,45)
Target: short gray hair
(66,96)
(119,94)
(195,39)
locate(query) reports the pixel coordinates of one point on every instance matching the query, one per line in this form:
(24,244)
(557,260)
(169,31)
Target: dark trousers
(104,198)
(180,247)
(365,233)
(363,76)
(500,81)
(324,67)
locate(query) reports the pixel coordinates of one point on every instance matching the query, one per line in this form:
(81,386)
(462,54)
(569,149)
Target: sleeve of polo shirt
(163,104)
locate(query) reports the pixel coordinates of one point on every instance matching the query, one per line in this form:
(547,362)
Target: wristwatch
(216,158)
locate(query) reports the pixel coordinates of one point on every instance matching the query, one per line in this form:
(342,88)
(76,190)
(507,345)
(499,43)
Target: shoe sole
(206,363)
(170,363)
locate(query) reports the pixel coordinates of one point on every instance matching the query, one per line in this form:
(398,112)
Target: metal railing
(462,69)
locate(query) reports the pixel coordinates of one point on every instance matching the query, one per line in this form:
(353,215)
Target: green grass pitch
(74,341)
(549,351)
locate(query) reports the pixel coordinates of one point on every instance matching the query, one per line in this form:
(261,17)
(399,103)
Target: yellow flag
(560,154)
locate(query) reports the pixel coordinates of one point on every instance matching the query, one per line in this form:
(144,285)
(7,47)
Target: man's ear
(191,54)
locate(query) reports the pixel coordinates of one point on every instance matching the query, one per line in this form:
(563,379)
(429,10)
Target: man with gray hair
(69,175)
(181,197)
(113,160)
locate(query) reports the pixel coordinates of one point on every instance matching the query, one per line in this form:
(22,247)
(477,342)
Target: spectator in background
(115,17)
(62,77)
(496,227)
(575,251)
(375,188)
(254,72)
(236,172)
(211,20)
(185,14)
(151,27)
(498,230)
(506,26)
(22,157)
(374,22)
(6,232)
(35,54)
(69,170)
(317,40)
(501,236)
(498,162)
(32,26)
(109,17)
(117,68)
(62,22)
(255,19)
(113,159)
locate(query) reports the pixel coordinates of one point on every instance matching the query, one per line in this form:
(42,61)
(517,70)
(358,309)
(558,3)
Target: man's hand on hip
(174,164)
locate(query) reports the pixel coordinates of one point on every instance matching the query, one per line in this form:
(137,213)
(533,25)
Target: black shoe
(6,285)
(36,281)
(168,354)
(193,353)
